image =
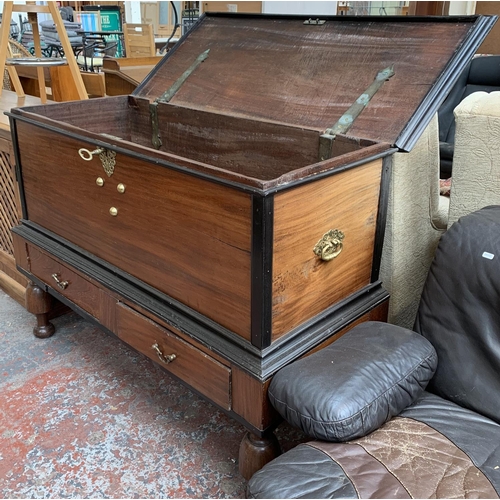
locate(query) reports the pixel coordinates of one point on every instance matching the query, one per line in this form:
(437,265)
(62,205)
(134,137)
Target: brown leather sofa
(399,413)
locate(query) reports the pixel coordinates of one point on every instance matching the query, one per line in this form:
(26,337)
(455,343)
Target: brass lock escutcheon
(107,157)
(164,358)
(61,284)
(330,245)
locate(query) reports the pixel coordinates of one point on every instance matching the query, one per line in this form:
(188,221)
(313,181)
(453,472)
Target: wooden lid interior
(306,75)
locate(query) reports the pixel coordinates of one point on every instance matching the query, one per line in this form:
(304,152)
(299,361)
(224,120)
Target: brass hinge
(345,122)
(168,95)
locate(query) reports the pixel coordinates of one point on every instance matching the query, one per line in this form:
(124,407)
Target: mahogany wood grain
(309,75)
(63,85)
(20,252)
(108,116)
(161,322)
(116,120)
(303,284)
(77,289)
(187,237)
(194,367)
(250,400)
(253,148)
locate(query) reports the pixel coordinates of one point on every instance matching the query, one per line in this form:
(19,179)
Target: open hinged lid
(308,72)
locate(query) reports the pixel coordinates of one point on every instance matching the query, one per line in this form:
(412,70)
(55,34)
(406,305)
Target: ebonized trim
(324,327)
(383,203)
(133,154)
(444,83)
(19,177)
(328,173)
(262,263)
(196,173)
(367,19)
(261,364)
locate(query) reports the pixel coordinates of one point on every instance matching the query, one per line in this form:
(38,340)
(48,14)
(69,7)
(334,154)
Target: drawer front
(200,371)
(69,284)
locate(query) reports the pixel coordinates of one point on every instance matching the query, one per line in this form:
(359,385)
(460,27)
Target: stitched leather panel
(426,462)
(370,478)
(477,436)
(303,472)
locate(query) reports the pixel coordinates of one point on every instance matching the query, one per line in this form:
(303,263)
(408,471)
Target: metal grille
(8,210)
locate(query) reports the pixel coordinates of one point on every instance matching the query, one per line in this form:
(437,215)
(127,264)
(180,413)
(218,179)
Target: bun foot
(39,303)
(44,328)
(256,451)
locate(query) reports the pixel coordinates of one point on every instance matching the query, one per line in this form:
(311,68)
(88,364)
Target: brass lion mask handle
(330,245)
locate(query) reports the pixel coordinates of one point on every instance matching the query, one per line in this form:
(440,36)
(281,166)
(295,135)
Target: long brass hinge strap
(346,121)
(153,113)
(167,96)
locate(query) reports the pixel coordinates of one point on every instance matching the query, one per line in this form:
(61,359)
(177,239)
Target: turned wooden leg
(39,303)
(256,451)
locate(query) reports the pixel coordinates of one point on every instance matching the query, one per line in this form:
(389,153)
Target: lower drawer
(200,371)
(71,285)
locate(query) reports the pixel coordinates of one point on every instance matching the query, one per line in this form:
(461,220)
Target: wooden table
(123,74)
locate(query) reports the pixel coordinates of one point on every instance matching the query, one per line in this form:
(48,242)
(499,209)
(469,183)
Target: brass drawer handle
(87,155)
(163,358)
(330,245)
(61,284)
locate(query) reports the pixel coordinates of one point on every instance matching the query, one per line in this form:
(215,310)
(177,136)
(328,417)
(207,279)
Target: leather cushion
(353,386)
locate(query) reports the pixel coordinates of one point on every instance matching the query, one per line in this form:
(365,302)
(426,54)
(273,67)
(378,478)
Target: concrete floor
(84,416)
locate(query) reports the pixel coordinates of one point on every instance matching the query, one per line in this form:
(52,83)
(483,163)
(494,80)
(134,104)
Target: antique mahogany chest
(227,217)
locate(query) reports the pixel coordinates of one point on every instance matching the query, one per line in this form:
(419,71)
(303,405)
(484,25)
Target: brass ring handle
(330,245)
(87,155)
(61,284)
(168,358)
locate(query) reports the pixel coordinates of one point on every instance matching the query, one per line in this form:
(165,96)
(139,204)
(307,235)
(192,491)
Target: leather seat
(382,429)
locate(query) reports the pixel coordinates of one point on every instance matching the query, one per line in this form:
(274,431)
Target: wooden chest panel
(191,365)
(187,237)
(303,284)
